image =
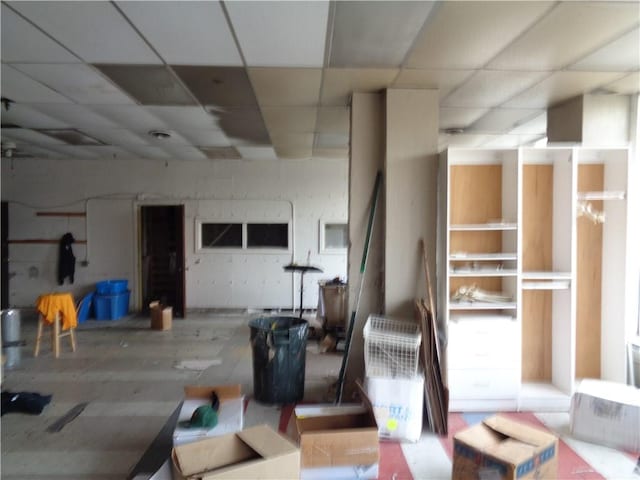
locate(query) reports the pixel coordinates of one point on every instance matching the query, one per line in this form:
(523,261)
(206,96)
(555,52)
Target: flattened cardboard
(504,449)
(606,413)
(230,414)
(258,452)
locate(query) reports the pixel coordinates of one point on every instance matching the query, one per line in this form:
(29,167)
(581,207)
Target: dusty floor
(132,379)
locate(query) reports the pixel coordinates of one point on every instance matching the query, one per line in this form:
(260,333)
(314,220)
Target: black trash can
(279,346)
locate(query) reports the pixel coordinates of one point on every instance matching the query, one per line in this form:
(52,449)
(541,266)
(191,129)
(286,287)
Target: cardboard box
(336,441)
(397,405)
(255,453)
(161,316)
(606,413)
(500,448)
(230,414)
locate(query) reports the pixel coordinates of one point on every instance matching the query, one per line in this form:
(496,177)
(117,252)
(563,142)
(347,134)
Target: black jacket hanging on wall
(67,261)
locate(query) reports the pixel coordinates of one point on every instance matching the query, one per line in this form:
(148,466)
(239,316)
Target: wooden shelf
(606,195)
(539,275)
(483,272)
(480,257)
(482,306)
(481,227)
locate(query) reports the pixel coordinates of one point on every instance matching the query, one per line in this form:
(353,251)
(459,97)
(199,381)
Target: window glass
(272,235)
(336,235)
(221,235)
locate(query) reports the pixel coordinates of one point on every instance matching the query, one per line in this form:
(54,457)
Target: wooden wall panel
(476,193)
(589,278)
(537,232)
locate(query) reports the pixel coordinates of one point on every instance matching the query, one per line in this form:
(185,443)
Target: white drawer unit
(480,384)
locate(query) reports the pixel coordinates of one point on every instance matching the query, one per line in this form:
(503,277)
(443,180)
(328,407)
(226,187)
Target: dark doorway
(162,252)
(4,273)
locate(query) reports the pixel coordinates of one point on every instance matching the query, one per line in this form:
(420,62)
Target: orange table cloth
(51,304)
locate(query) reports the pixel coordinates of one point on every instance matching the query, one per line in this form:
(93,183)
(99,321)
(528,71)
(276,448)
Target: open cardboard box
(336,441)
(257,453)
(161,316)
(230,414)
(500,448)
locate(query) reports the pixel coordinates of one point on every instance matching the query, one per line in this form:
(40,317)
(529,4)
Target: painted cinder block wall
(111,192)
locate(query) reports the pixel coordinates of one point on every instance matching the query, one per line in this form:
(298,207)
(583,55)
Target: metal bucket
(11,342)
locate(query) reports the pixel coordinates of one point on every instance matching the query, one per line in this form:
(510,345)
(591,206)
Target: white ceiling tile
(292,119)
(257,153)
(30,136)
(451,117)
(558,87)
(40,152)
(75,114)
(22,42)
(464,140)
(468,34)
(375,34)
(205,137)
(626,85)
(286,86)
(333,120)
(489,88)
(443,80)
(619,55)
(75,151)
(109,152)
(117,136)
(500,120)
(20,88)
(130,116)
(338,84)
(535,126)
(339,153)
(511,141)
(185,153)
(207,42)
(190,117)
(95,31)
(149,151)
(280,33)
(79,82)
(570,31)
(27,117)
(294,152)
(331,140)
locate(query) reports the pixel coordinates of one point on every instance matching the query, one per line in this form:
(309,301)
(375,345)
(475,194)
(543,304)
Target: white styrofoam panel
(488,88)
(95,31)
(451,37)
(20,88)
(79,82)
(130,116)
(456,117)
(280,33)
(22,42)
(257,153)
(175,140)
(622,54)
(209,40)
(27,117)
(550,45)
(77,115)
(190,117)
(499,120)
(559,86)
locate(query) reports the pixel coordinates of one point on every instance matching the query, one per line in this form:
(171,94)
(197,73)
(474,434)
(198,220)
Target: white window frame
(322,248)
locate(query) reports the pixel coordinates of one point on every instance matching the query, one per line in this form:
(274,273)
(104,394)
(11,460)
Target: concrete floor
(132,378)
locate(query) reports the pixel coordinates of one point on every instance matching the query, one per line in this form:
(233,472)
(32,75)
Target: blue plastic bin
(111,287)
(111,307)
(85,307)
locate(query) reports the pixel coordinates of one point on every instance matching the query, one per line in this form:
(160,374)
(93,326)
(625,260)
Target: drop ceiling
(274,79)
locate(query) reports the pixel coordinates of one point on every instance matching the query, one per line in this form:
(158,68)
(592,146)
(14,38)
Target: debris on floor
(197,365)
(67,418)
(24,402)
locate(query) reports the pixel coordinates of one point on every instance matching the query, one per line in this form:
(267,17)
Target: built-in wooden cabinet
(526,286)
